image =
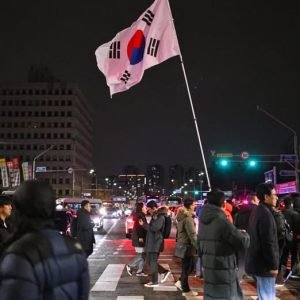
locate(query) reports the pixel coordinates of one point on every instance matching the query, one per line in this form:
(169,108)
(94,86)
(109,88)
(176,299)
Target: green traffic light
(252,163)
(224,162)
(196,192)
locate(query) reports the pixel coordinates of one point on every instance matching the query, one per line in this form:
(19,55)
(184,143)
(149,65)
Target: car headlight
(96,220)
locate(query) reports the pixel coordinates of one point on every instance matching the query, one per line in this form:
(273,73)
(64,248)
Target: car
(74,204)
(111,212)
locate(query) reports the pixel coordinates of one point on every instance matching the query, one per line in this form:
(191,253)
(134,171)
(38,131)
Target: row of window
(36,125)
(35,92)
(36,135)
(36,113)
(33,147)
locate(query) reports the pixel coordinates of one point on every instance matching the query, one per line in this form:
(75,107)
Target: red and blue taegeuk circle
(136,47)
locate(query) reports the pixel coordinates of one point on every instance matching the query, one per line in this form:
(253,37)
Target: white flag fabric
(149,41)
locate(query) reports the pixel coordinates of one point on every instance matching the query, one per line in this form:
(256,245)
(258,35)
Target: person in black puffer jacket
(138,241)
(40,263)
(219,240)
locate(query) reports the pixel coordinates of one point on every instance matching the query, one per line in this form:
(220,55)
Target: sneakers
(164,276)
(151,284)
(190,293)
(178,285)
(129,271)
(141,274)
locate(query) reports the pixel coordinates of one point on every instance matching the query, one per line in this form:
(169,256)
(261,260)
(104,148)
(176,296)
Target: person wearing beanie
(40,263)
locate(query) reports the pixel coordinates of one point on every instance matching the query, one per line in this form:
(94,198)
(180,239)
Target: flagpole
(191,103)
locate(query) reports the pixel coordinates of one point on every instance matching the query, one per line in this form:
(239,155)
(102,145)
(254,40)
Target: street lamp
(38,156)
(295,141)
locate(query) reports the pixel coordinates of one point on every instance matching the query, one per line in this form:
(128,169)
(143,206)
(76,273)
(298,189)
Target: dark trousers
(187,267)
(289,248)
(155,267)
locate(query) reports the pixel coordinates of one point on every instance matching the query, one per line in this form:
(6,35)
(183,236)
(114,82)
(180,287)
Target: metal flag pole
(191,103)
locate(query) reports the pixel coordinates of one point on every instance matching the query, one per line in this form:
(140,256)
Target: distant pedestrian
(139,234)
(262,256)
(6,228)
(155,242)
(243,215)
(293,219)
(85,232)
(219,240)
(187,236)
(40,263)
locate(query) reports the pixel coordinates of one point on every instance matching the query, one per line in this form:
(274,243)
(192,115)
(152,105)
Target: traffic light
(252,163)
(223,163)
(196,193)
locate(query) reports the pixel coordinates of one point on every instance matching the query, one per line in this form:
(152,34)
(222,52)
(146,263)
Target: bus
(75,204)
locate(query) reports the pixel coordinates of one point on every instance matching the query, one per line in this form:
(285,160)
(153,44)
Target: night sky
(237,54)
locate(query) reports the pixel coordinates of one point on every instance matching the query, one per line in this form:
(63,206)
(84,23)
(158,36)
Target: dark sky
(237,54)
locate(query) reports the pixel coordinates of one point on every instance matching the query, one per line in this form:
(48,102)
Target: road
(110,281)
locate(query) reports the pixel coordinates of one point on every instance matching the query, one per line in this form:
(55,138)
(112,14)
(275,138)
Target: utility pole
(295,142)
(36,157)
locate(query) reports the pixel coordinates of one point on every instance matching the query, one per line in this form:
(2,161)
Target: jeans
(199,267)
(266,288)
(155,267)
(138,262)
(186,269)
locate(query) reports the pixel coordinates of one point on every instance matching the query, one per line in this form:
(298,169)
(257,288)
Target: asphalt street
(110,281)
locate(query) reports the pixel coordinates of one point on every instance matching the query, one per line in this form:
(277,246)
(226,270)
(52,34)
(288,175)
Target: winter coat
(263,253)
(138,231)
(243,216)
(6,233)
(228,212)
(155,240)
(219,240)
(293,219)
(186,230)
(44,266)
(85,233)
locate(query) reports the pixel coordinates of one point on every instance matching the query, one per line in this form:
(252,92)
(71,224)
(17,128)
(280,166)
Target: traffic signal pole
(296,165)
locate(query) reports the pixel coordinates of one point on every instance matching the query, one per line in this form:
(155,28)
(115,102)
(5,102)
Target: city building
(48,124)
(154,177)
(176,177)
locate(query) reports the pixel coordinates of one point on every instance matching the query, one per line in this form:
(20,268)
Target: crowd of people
(37,262)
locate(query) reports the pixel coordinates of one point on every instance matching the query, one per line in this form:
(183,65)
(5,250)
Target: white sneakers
(151,284)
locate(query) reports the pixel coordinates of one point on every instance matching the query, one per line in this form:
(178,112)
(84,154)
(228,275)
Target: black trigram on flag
(153,47)
(125,77)
(148,17)
(114,50)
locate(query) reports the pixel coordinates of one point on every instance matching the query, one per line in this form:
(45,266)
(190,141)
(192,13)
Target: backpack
(73,228)
(167,227)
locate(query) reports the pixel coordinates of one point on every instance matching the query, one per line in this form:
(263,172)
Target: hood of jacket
(184,213)
(163,210)
(210,212)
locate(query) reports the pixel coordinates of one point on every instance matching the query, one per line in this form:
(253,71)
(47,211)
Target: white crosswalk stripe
(109,279)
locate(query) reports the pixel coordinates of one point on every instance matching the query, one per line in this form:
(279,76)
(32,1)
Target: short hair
(84,203)
(35,199)
(139,206)
(188,202)
(288,201)
(216,197)
(151,204)
(264,189)
(4,200)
